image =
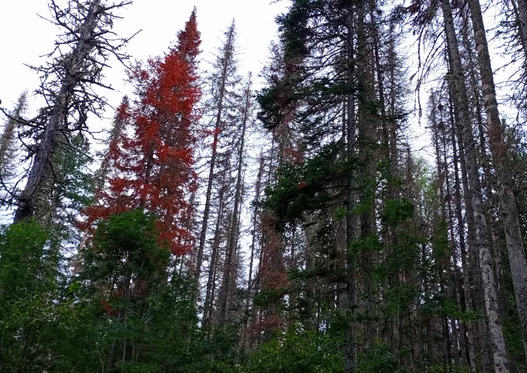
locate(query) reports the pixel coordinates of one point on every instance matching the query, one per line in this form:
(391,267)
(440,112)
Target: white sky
(24,36)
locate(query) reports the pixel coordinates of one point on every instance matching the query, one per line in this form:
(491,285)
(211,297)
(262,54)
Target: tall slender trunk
(208,305)
(234,229)
(501,363)
(472,267)
(456,289)
(119,125)
(488,180)
(36,197)
(8,137)
(439,138)
(255,230)
(367,153)
(520,10)
(350,130)
(509,211)
(468,276)
(227,62)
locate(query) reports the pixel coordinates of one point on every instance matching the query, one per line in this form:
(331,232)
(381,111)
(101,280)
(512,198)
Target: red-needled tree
(152,166)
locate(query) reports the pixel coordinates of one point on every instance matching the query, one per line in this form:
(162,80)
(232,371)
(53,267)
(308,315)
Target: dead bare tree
(69,82)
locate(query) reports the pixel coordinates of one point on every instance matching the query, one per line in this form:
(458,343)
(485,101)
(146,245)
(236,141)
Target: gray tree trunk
(67,86)
(119,125)
(208,305)
(227,62)
(509,211)
(229,273)
(483,245)
(255,230)
(520,10)
(35,199)
(350,126)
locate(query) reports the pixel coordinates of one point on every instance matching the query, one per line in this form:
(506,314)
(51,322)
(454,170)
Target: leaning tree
(69,82)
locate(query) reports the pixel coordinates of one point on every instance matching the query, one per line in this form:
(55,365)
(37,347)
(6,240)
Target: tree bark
(35,199)
(8,137)
(509,211)
(254,251)
(208,305)
(227,60)
(520,10)
(350,133)
(229,273)
(67,85)
(501,362)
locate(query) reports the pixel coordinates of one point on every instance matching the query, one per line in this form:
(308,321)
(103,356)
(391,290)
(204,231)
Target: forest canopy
(282,221)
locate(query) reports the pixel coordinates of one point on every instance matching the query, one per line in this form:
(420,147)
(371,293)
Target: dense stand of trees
(281,226)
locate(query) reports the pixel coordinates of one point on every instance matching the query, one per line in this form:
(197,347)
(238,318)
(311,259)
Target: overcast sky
(24,36)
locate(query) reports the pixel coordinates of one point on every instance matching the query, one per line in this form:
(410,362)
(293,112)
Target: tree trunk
(208,305)
(350,130)
(367,121)
(7,154)
(509,211)
(119,126)
(227,60)
(520,10)
(255,230)
(36,197)
(234,229)
(482,241)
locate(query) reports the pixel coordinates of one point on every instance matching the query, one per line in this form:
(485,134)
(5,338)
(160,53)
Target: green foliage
(293,28)
(22,264)
(513,334)
(139,368)
(309,186)
(511,324)
(396,211)
(448,369)
(28,273)
(218,352)
(269,297)
(366,244)
(297,351)
(377,359)
(72,191)
(125,311)
(158,334)
(440,245)
(272,113)
(125,247)
(77,183)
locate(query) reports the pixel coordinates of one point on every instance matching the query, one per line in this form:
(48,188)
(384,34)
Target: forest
(287,221)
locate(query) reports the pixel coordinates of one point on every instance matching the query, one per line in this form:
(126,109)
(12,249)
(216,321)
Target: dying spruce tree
(152,167)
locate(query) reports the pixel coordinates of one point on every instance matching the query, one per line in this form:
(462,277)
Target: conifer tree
(28,294)
(230,272)
(8,151)
(509,211)
(331,92)
(152,168)
(119,127)
(223,95)
(68,79)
